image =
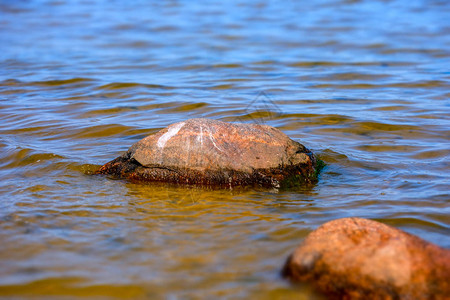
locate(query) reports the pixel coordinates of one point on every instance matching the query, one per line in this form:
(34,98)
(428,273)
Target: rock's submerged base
(355,258)
(210,152)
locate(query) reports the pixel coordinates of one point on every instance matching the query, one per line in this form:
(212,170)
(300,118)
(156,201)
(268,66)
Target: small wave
(109,111)
(431,52)
(431,154)
(55,287)
(257,115)
(332,156)
(309,64)
(344,86)
(186,107)
(413,222)
(98,131)
(388,148)
(10,82)
(377,126)
(392,108)
(354,76)
(57,82)
(421,84)
(87,169)
(409,85)
(222,87)
(126,85)
(21,157)
(227,66)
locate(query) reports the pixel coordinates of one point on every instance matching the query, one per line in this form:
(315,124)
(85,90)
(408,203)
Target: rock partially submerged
(355,258)
(211,152)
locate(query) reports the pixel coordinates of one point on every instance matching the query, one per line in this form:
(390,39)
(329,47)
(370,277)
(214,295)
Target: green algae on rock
(211,152)
(355,258)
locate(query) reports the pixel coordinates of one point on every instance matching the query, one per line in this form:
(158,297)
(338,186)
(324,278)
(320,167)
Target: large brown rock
(210,152)
(356,258)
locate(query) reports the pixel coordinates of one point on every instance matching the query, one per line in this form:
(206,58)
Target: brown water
(364,84)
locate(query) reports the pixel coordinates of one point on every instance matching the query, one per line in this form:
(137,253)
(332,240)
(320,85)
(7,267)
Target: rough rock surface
(355,258)
(211,152)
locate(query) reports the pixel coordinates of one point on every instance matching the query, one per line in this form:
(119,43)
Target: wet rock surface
(355,258)
(211,152)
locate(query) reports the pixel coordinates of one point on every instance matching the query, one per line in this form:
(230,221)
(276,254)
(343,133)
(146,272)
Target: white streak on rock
(173,130)
(200,137)
(212,140)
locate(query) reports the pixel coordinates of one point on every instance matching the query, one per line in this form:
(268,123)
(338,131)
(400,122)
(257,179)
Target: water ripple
(364,84)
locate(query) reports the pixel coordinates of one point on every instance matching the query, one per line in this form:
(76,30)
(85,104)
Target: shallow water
(364,84)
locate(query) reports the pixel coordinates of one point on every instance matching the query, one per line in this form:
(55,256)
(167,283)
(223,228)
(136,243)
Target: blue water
(364,84)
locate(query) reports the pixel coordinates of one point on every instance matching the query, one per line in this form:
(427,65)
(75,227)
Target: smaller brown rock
(355,258)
